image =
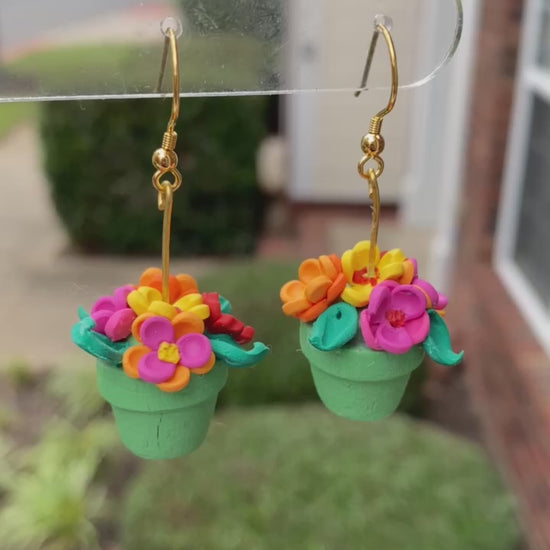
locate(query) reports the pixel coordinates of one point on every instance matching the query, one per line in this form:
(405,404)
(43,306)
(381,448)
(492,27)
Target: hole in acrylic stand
(171,23)
(384,20)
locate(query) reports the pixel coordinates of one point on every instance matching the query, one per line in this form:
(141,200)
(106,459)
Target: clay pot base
(156,425)
(356,382)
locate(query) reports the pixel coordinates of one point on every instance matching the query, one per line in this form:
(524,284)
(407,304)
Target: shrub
(98,159)
(261,19)
(51,498)
(284,375)
(303,478)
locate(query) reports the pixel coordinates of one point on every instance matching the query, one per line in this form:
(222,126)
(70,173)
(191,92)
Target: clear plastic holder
(61,49)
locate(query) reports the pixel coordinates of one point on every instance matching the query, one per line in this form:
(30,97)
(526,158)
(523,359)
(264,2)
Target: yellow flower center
(169,353)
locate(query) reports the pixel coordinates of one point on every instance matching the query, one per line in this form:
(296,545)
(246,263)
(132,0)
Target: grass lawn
(224,62)
(12,114)
(301,478)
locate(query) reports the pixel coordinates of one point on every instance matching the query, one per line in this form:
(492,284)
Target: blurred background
(269,178)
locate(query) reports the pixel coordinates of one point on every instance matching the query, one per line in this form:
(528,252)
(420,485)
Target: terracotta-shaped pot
(356,382)
(157,425)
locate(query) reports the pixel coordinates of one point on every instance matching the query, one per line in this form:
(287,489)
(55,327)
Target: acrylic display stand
(60,49)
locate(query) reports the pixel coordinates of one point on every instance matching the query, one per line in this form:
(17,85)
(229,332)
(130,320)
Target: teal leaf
(225,349)
(225,305)
(438,343)
(81,312)
(98,345)
(334,328)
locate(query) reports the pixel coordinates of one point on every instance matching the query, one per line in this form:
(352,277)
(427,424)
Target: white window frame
(531,81)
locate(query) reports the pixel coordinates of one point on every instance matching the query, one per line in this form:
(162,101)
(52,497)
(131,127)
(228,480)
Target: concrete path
(41,284)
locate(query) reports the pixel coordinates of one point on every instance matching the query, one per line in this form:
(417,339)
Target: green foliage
(284,375)
(76,391)
(19,373)
(13,114)
(7,418)
(98,159)
(303,478)
(50,498)
(102,68)
(259,18)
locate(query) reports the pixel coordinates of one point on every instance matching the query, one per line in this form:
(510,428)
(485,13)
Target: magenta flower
(435,300)
(162,352)
(112,316)
(395,319)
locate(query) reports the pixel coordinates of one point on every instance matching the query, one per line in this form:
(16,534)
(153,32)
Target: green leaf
(96,344)
(231,353)
(225,304)
(334,328)
(438,343)
(81,312)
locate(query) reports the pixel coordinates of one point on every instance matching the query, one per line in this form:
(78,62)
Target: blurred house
(425,133)
(468,183)
(501,276)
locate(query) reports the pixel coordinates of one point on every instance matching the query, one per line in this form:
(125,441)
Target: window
(523,236)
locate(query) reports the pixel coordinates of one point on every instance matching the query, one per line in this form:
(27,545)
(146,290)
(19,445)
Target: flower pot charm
(364,333)
(161,364)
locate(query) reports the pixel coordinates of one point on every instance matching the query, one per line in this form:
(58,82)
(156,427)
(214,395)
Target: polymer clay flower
(112,316)
(179,285)
(148,298)
(225,323)
(388,266)
(434,299)
(320,283)
(169,352)
(396,318)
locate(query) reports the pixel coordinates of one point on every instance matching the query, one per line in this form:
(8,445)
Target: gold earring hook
(165,159)
(373,143)
(170,43)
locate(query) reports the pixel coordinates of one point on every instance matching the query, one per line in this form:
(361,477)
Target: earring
(163,349)
(367,319)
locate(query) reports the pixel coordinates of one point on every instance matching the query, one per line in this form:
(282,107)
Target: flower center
(169,353)
(396,318)
(360,277)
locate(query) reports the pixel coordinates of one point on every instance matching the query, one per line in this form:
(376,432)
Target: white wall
(330,40)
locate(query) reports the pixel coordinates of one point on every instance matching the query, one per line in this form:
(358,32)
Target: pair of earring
(164,349)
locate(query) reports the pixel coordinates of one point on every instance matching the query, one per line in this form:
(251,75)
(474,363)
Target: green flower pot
(356,382)
(157,425)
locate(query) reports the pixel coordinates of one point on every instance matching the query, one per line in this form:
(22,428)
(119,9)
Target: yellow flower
(389,265)
(149,300)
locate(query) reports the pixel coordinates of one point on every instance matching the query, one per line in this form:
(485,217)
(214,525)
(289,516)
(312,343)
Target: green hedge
(262,19)
(301,478)
(98,159)
(284,375)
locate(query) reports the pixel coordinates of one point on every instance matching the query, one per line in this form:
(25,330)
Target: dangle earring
(162,347)
(367,319)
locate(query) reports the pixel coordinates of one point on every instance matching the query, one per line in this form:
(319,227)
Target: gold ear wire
(170,43)
(165,159)
(373,143)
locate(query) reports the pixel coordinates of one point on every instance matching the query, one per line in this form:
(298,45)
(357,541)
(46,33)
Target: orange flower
(179,285)
(321,282)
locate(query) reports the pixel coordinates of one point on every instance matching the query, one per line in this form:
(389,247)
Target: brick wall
(507,372)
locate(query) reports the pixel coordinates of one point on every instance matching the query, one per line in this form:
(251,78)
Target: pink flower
(170,351)
(396,318)
(434,299)
(112,316)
